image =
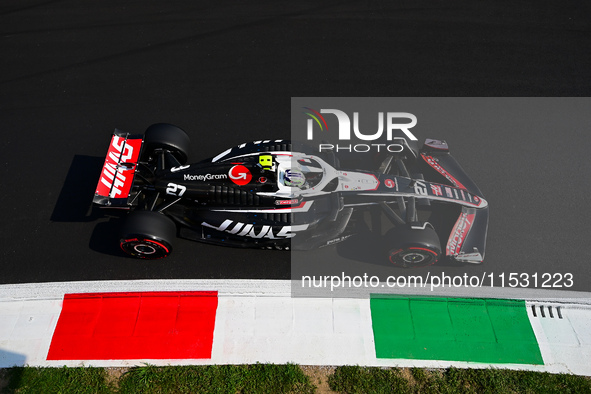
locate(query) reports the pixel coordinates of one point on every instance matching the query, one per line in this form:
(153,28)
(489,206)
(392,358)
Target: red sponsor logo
(459,233)
(437,167)
(436,190)
(390,183)
(240,175)
(286,202)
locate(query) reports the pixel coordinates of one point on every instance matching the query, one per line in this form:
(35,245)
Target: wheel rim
(413,257)
(145,248)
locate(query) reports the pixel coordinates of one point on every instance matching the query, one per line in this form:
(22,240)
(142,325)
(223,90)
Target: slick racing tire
(410,248)
(147,235)
(168,137)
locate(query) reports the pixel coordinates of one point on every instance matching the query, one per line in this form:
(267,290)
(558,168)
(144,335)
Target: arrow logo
(240,175)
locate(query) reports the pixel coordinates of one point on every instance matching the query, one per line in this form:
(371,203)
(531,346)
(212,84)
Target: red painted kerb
(142,325)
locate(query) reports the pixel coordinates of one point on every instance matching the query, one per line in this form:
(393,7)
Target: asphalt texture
(225,71)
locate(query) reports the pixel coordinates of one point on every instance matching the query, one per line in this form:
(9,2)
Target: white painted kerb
(259,321)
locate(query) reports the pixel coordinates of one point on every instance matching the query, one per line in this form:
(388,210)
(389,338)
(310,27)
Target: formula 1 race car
(273,195)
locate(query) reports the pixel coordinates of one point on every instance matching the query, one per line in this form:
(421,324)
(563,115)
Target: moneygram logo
(395,125)
(204,177)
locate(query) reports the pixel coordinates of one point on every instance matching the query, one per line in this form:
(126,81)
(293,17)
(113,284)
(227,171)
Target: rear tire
(168,137)
(410,248)
(147,235)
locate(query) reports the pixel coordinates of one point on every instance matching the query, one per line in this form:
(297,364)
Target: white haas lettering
(110,177)
(248,230)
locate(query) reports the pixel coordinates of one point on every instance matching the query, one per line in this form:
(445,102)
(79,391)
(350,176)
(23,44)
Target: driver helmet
(294,178)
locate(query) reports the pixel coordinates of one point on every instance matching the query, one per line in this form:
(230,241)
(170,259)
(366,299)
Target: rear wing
(117,175)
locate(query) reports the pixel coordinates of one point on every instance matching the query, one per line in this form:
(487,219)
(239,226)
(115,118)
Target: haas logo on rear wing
(116,177)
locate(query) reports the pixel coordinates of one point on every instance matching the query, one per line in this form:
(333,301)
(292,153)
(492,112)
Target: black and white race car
(271,195)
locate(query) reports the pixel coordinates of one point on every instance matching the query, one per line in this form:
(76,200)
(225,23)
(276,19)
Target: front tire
(147,235)
(412,248)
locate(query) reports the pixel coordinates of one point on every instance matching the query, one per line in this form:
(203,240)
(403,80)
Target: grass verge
(55,380)
(353,379)
(270,378)
(257,378)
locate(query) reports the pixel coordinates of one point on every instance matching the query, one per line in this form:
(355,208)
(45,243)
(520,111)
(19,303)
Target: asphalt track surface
(225,71)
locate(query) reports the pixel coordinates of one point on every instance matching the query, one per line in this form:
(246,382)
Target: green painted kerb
(455,329)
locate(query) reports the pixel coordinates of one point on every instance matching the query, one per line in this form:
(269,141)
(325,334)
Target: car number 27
(175,190)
